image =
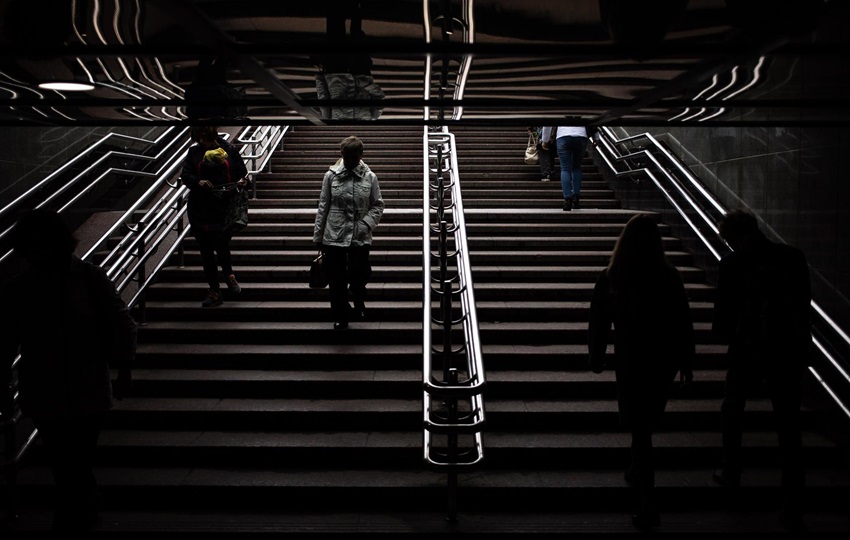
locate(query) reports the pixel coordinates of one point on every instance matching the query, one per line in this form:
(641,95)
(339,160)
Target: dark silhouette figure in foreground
(642,294)
(762,313)
(69,325)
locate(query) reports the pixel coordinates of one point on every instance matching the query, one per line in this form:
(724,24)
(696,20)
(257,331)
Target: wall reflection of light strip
(728,86)
(718,113)
(696,97)
(756,78)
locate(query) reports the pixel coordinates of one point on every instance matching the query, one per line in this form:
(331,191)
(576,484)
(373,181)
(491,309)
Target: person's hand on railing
(123,385)
(242,182)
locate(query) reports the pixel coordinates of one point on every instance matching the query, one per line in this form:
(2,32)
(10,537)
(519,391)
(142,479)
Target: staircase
(257,416)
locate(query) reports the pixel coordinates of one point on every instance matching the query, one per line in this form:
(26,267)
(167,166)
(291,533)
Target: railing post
(10,444)
(451,451)
(445,300)
(181,252)
(141,276)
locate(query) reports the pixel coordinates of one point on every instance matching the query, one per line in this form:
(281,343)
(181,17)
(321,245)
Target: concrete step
(298,290)
(203,355)
(401,450)
(389,414)
(542,203)
(481,242)
(228,490)
(366,382)
(561,257)
(385,332)
(481,274)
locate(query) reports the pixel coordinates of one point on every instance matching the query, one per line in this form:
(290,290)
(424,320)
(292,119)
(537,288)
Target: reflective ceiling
(523,62)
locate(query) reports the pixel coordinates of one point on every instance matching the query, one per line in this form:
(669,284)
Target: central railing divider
(453,405)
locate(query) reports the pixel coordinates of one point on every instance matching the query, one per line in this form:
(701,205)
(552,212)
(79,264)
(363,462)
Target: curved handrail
(71,162)
(260,139)
(439,149)
(608,148)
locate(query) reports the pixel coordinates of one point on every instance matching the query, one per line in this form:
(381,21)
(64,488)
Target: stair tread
(382,375)
(371,349)
(414,404)
(355,478)
(408,439)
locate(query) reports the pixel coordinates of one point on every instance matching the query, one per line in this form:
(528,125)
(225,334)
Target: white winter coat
(350,206)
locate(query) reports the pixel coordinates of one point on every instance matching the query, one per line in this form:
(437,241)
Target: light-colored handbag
(531,157)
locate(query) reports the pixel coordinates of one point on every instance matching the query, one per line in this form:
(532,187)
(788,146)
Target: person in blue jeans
(571,143)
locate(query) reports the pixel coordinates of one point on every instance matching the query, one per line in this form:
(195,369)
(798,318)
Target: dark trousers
(546,160)
(70,444)
(347,268)
(784,386)
(642,466)
(212,244)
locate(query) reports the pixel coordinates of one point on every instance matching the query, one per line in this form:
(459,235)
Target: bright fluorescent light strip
(66,86)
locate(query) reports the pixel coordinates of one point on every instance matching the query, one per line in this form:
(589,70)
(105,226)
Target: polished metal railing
(698,207)
(452,373)
(53,185)
(453,403)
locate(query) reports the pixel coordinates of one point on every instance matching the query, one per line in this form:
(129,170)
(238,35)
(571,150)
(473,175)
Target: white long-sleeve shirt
(563,131)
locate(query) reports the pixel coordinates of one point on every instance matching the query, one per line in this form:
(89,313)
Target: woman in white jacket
(350,207)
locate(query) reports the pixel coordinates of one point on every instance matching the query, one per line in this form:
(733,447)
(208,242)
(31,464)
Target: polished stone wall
(32,153)
(796,180)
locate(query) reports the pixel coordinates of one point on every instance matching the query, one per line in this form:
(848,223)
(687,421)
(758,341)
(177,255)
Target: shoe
(568,205)
(359,312)
(646,520)
(233,285)
(544,179)
(340,325)
(576,205)
(726,479)
(213,299)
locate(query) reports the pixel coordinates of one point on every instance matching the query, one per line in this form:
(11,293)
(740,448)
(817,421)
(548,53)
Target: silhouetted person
(350,207)
(69,325)
(213,171)
(642,294)
(762,313)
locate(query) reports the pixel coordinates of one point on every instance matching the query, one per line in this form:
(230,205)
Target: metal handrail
(608,147)
(260,139)
(167,147)
(71,162)
(439,147)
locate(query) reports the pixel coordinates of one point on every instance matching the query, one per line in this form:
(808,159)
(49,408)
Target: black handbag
(318,275)
(237,212)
